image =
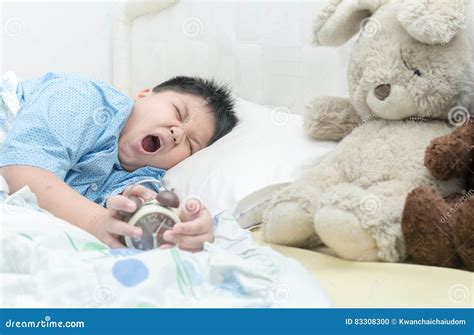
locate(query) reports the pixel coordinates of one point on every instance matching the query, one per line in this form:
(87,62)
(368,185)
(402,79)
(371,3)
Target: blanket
(9,104)
(47,262)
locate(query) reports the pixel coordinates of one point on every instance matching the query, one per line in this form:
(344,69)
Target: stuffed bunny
(409,74)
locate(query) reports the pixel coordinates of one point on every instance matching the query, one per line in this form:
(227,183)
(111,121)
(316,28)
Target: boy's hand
(111,226)
(194,229)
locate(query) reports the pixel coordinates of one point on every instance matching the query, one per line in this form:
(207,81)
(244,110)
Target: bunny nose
(382,91)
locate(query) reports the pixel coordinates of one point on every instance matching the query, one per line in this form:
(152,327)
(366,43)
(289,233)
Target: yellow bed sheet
(371,284)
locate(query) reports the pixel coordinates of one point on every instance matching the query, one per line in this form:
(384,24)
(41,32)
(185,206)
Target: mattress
(370,284)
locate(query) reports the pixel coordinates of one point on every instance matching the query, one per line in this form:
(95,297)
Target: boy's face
(164,128)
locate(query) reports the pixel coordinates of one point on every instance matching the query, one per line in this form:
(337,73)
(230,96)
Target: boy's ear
(340,20)
(432,21)
(143,93)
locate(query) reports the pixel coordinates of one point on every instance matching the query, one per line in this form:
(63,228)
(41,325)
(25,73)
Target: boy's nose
(177,134)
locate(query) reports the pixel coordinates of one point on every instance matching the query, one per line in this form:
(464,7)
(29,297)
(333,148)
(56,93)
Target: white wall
(70,36)
(470,24)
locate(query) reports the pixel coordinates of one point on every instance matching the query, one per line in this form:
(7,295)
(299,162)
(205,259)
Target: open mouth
(151,143)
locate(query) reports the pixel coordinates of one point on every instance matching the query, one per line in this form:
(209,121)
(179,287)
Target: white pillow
(266,147)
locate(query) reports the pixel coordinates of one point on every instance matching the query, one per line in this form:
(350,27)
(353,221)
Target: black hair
(218,97)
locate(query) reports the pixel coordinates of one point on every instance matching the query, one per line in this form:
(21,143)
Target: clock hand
(161,224)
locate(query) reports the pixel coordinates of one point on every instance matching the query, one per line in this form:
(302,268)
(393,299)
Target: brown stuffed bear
(440,231)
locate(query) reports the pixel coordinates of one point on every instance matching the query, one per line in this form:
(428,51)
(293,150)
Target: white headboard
(262,48)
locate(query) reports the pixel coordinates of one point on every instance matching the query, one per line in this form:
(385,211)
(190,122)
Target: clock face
(152,224)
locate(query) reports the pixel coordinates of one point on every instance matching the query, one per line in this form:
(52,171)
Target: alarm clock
(154,217)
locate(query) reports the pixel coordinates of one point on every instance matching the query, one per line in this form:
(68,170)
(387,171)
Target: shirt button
(94,187)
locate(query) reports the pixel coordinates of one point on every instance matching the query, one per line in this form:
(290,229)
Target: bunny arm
(330,118)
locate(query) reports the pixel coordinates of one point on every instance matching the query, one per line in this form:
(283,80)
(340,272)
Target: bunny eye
(416,72)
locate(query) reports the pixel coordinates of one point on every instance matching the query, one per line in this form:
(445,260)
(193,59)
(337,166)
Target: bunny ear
(432,22)
(340,20)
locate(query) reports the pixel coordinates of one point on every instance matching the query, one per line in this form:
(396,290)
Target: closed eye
(190,145)
(403,60)
(187,138)
(178,113)
(416,71)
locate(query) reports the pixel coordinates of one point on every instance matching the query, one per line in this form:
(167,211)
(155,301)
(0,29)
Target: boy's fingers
(195,242)
(198,226)
(120,203)
(121,228)
(188,242)
(195,227)
(139,191)
(168,236)
(191,208)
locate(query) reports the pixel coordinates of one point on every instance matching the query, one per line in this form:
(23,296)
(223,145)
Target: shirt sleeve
(58,123)
(116,185)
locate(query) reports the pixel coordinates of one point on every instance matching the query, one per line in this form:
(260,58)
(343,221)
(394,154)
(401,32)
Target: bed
(263,50)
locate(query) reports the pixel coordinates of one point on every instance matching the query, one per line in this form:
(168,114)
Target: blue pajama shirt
(70,125)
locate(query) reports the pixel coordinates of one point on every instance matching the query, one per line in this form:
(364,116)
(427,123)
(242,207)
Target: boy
(78,144)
